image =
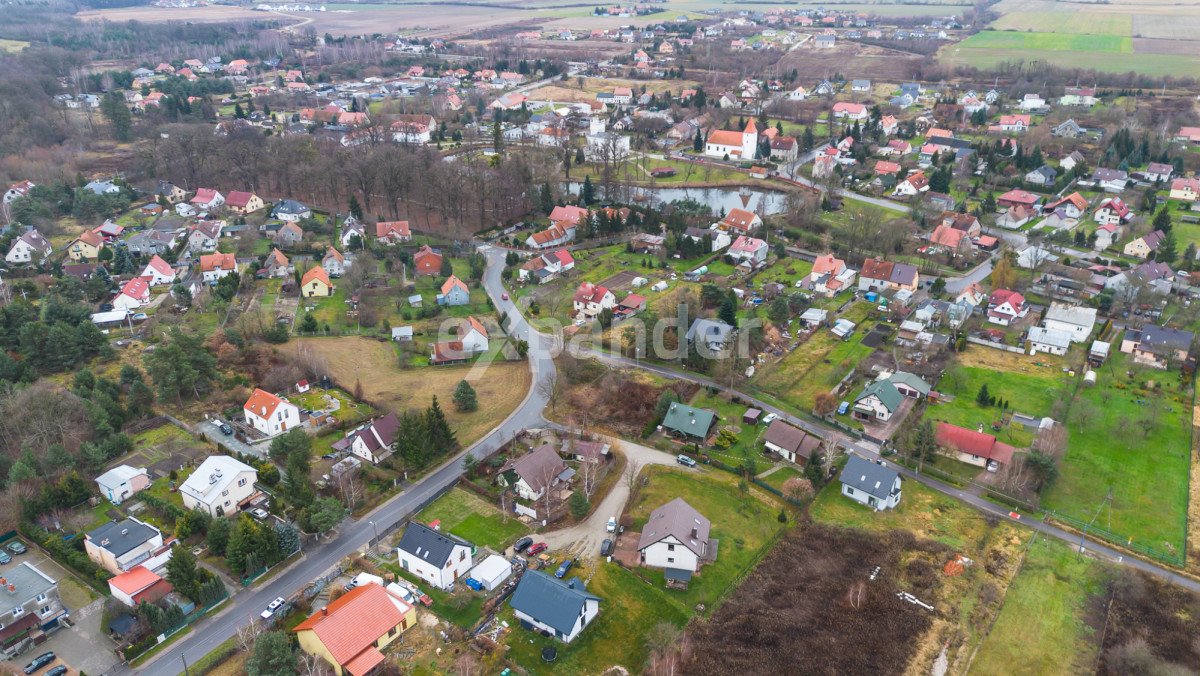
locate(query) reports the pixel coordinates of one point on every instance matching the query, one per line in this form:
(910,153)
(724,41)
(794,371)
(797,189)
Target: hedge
(68,555)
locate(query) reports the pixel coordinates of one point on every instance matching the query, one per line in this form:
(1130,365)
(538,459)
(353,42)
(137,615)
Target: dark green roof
(886,391)
(689,420)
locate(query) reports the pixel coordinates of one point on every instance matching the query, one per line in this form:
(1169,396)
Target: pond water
(720,200)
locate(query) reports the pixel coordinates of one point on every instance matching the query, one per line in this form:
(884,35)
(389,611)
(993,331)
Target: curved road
(210,632)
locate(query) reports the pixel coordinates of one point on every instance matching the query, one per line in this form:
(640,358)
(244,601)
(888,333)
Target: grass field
(500,387)
(13,46)
(743,524)
(1053,42)
(1031,393)
(1108,53)
(470,517)
(1072,22)
(1041,627)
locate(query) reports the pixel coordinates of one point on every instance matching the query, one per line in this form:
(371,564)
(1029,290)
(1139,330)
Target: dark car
(60,670)
(522,544)
(39,662)
(226,429)
(606,548)
(563,568)
(537,549)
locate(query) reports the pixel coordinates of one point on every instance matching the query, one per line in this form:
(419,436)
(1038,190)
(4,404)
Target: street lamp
(374,528)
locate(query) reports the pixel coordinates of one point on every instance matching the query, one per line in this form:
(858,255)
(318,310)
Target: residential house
(877,275)
(1075,321)
(785,149)
(270,414)
(391,233)
(159,272)
(1078,96)
(215,266)
(1051,341)
(138,585)
(121,482)
(646,243)
(562,608)
(30,248)
(372,441)
(352,228)
(86,246)
(1158,346)
(594,452)
(1158,172)
(1074,159)
(813,318)
(1073,205)
(30,610)
(472,339)
(17,190)
(676,536)
(851,112)
(1006,306)
(290,211)
(546,267)
(1015,124)
(220,485)
(748,250)
(914,184)
(1143,246)
(688,422)
(316,283)
(289,235)
(973,447)
(454,292)
(830,276)
(102,187)
(1068,129)
(352,630)
(630,306)
(204,235)
(534,473)
(709,335)
(1014,217)
(1187,189)
(1032,102)
(414,128)
(276,266)
(1111,180)
(241,202)
(878,401)
(118,546)
(591,299)
(427,261)
(134,294)
(334,262)
(1044,175)
(1113,211)
(1018,198)
(870,483)
(1106,236)
(791,443)
(740,221)
(207,199)
(954,240)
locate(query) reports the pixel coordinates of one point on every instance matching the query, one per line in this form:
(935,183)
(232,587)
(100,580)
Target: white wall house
(270,414)
(675,536)
(562,608)
(219,485)
(1077,322)
(435,557)
(870,484)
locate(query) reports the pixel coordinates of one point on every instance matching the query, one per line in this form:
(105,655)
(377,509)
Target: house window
(18,611)
(670,548)
(241,482)
(670,559)
(849,491)
(462,555)
(45,611)
(40,598)
(392,631)
(224,493)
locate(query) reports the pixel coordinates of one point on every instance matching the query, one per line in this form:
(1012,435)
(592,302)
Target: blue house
(454,292)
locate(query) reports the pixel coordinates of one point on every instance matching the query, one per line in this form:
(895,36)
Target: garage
(492,571)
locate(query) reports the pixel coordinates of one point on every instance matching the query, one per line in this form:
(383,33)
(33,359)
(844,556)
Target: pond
(720,200)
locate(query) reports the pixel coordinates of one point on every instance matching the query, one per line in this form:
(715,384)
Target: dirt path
(583,539)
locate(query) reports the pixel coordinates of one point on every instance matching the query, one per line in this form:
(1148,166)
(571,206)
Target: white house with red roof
(740,221)
(1187,189)
(546,267)
(914,184)
(270,414)
(1006,306)
(563,222)
(591,299)
(850,111)
(215,266)
(1017,124)
(17,190)
(207,199)
(159,272)
(1072,205)
(417,128)
(133,294)
(392,233)
(737,145)
(138,585)
(973,447)
(1112,211)
(1014,198)
(748,250)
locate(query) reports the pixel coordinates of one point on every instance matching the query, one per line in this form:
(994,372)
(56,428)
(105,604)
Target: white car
(272,607)
(769,418)
(611,527)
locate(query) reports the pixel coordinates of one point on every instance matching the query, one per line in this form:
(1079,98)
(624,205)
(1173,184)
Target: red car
(504,296)
(536,548)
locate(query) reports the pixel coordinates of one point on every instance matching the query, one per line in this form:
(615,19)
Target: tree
(587,194)
(181,366)
(983,398)
(728,312)
(464,397)
(1003,274)
(114,109)
(665,400)
(326,513)
(1162,220)
(698,141)
(824,403)
(292,441)
(297,483)
(1044,468)
(217,537)
(447,268)
(272,656)
(779,311)
(579,505)
(1167,250)
(183,574)
(355,208)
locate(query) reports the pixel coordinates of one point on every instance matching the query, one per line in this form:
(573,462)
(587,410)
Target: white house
(562,608)
(204,236)
(159,272)
(270,414)
(1032,102)
(350,229)
(30,247)
(118,546)
(878,401)
(207,199)
(748,250)
(435,557)
(121,482)
(134,294)
(532,474)
(871,484)
(372,441)
(675,536)
(1077,322)
(219,485)
(215,266)
(591,299)
(1051,341)
(737,145)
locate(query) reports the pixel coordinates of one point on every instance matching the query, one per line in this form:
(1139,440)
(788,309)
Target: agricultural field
(1110,53)
(7,45)
(500,387)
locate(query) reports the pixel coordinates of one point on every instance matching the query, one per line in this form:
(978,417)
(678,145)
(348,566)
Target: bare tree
(632,469)
(313,665)
(246,633)
(351,488)
(1052,440)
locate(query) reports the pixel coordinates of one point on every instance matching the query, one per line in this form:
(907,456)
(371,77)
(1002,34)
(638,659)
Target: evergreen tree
(1189,257)
(273,656)
(447,268)
(728,312)
(1162,220)
(441,437)
(464,397)
(238,112)
(183,573)
(114,109)
(355,208)
(588,193)
(698,141)
(1167,251)
(217,535)
(983,398)
(546,198)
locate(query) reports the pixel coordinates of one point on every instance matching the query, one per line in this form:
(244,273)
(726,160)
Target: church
(738,145)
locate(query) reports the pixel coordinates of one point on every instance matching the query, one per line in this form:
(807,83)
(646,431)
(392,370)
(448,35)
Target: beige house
(86,246)
(219,486)
(118,546)
(351,632)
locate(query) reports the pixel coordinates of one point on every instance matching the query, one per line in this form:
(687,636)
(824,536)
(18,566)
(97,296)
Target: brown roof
(873,268)
(316,273)
(791,439)
(680,520)
(537,468)
(349,626)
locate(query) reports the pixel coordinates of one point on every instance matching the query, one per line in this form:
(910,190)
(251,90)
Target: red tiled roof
(568,214)
(134,580)
(876,269)
(453,282)
(740,219)
(828,263)
(947,236)
(204,196)
(160,266)
(564,257)
(210,262)
(886,167)
(318,274)
(349,626)
(262,403)
(388,228)
(973,443)
(238,198)
(137,288)
(723,137)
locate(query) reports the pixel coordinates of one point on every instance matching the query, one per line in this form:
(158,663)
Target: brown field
(500,387)
(851,60)
(1151,628)
(595,85)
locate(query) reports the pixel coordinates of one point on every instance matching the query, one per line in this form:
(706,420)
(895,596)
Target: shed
(492,571)
(402,333)
(415,300)
(751,416)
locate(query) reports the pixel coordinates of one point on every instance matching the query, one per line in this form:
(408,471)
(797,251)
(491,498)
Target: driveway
(211,430)
(583,539)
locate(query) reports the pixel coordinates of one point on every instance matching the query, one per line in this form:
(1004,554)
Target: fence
(136,650)
(1171,558)
(994,345)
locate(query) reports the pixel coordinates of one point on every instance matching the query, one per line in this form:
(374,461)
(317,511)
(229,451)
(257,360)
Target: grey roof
(289,207)
(1051,337)
(885,390)
(680,520)
(903,273)
(868,477)
(122,536)
(1156,337)
(29,582)
(711,331)
(538,468)
(912,380)
(553,602)
(1072,314)
(429,545)
(688,420)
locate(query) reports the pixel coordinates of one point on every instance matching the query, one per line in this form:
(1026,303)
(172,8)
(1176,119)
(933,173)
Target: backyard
(477,521)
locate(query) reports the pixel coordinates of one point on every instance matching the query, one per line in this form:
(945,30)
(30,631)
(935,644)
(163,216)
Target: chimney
(3,581)
(12,589)
(325,612)
(571,583)
(695,534)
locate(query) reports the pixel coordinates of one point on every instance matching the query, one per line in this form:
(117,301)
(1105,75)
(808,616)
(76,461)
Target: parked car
(536,549)
(473,583)
(685,460)
(504,296)
(843,407)
(226,429)
(611,526)
(563,568)
(769,418)
(39,662)
(259,513)
(522,544)
(4,557)
(17,547)
(350,585)
(60,670)
(272,607)
(606,547)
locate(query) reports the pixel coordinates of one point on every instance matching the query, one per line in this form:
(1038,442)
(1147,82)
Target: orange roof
(723,137)
(91,237)
(477,326)
(740,219)
(277,257)
(262,403)
(335,254)
(425,251)
(386,228)
(316,274)
(453,282)
(134,580)
(350,625)
(828,263)
(947,236)
(224,261)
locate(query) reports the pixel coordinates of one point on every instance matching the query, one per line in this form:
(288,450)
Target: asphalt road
(353,535)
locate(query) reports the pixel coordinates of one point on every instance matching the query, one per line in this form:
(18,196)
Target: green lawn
(1032,393)
(1108,53)
(786,271)
(1083,21)
(470,517)
(780,476)
(1057,42)
(742,524)
(1041,627)
(816,365)
(731,416)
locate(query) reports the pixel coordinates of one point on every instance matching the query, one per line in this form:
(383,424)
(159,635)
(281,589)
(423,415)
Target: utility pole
(1082,535)
(185,665)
